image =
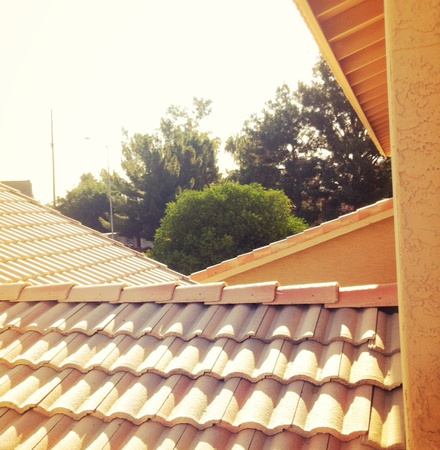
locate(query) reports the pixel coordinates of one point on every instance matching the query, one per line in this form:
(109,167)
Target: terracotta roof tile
(203,293)
(323,293)
(161,292)
(365,296)
(59,291)
(114,366)
(387,337)
(387,411)
(248,294)
(41,246)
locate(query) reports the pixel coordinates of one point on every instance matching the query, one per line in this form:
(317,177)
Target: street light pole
(110,195)
(53,160)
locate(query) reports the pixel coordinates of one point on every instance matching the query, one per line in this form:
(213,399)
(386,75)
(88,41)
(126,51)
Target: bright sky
(104,65)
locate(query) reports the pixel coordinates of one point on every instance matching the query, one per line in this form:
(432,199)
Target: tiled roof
(298,242)
(41,246)
(202,366)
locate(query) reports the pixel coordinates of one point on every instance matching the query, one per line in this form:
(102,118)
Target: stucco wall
(413,51)
(364,256)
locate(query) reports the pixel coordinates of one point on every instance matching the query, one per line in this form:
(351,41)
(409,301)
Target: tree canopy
(87,202)
(159,166)
(308,143)
(202,228)
(311,144)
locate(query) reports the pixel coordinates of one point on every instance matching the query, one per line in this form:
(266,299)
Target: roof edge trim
(314,27)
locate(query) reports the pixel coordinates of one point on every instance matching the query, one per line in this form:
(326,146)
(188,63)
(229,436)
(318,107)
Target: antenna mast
(53,160)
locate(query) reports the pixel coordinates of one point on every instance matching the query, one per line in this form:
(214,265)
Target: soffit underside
(351,36)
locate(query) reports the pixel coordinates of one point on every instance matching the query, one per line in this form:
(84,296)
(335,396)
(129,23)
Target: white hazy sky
(104,65)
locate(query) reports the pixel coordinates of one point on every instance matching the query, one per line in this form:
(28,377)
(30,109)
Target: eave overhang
(351,37)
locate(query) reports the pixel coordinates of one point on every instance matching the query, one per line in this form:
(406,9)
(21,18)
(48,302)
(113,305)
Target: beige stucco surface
(363,256)
(413,47)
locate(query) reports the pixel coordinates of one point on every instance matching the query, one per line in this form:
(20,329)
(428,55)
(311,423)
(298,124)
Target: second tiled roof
(41,246)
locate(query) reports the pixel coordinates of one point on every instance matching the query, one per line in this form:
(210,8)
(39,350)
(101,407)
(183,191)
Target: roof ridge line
(331,295)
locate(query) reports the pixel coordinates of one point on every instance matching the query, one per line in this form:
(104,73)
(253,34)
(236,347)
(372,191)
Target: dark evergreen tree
(311,144)
(355,174)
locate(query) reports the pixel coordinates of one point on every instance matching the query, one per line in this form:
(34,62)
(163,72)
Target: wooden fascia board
(327,53)
(296,248)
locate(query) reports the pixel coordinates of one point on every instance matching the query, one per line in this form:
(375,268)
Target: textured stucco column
(413,53)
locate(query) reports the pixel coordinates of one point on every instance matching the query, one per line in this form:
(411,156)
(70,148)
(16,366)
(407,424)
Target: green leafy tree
(87,202)
(161,165)
(311,144)
(202,228)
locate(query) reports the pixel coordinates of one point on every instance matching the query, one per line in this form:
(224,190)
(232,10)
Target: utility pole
(110,195)
(53,160)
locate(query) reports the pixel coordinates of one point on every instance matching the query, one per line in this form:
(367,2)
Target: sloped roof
(41,246)
(202,366)
(298,242)
(351,36)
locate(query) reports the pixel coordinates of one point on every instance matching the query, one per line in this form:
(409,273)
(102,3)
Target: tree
(202,228)
(161,165)
(270,151)
(87,202)
(311,144)
(356,174)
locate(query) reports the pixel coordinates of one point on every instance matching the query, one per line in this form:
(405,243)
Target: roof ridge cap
(41,292)
(330,295)
(263,292)
(206,293)
(309,294)
(365,296)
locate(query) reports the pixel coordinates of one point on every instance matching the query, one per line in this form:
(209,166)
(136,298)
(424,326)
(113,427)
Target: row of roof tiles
(91,432)
(252,359)
(188,321)
(329,294)
(234,404)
